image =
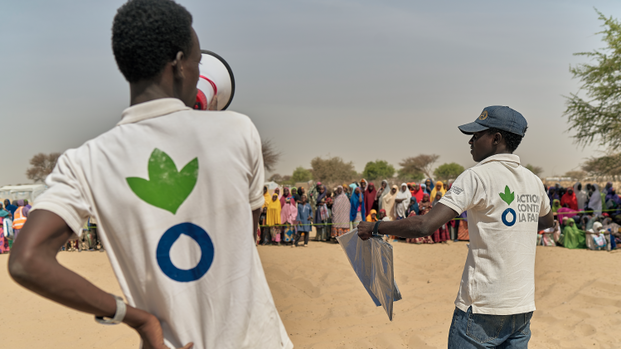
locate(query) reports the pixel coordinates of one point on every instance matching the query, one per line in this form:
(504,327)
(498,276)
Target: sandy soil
(323,305)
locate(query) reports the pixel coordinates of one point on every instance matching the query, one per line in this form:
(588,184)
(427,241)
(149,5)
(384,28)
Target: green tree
(448,171)
(332,169)
(534,169)
(378,169)
(596,117)
(301,175)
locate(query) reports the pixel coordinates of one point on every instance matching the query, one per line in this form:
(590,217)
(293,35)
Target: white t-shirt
(504,202)
(173,191)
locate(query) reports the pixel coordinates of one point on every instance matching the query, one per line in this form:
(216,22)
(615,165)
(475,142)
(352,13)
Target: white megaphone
(216,84)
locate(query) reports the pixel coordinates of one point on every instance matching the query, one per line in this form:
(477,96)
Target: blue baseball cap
(497,116)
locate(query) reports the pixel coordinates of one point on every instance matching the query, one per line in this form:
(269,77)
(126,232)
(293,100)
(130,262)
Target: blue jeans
(482,331)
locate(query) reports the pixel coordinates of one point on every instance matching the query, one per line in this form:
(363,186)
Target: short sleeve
(466,192)
(545,203)
(65,196)
(258,173)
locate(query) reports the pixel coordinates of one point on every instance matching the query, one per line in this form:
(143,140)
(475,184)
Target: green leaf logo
(166,187)
(508,196)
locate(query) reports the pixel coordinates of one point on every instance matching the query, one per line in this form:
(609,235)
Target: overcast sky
(363,80)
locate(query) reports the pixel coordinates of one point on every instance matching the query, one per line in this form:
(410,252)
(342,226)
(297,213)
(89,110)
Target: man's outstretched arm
(33,264)
(411,227)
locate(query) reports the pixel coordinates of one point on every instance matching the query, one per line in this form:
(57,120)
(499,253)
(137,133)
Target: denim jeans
(470,331)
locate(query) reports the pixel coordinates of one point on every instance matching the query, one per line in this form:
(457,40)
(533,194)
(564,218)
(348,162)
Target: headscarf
(356,203)
(428,187)
(321,196)
(289,212)
(556,204)
(370,216)
(267,198)
(417,193)
(285,194)
(435,190)
(552,194)
(340,211)
(570,200)
(386,190)
(369,197)
(565,212)
(273,212)
(384,212)
(401,208)
(436,200)
(389,204)
(581,195)
(573,237)
(595,203)
(425,205)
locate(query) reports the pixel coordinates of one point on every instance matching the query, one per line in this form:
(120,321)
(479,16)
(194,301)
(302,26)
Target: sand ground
(323,305)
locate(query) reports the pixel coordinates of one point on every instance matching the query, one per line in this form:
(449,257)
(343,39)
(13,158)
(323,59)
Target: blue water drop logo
(168,239)
(504,217)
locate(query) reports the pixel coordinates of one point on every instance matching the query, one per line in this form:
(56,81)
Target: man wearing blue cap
(506,205)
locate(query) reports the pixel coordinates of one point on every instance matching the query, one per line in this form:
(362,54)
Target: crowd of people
(289,215)
(13,216)
(585,217)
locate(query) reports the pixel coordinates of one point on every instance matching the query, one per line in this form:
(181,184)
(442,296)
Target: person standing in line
(581,196)
(158,174)
(503,238)
(273,218)
(356,213)
(340,213)
(369,197)
(402,201)
(4,241)
(304,220)
(266,196)
(288,215)
(263,231)
(19,218)
(383,190)
(11,207)
(389,203)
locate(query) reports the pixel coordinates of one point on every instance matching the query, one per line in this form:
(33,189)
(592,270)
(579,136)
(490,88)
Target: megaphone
(216,84)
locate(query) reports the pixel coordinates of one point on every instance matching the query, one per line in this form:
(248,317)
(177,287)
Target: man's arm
(33,264)
(546,221)
(411,227)
(255,222)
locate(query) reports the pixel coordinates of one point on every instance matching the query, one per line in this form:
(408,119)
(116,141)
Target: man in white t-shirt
(176,193)
(507,205)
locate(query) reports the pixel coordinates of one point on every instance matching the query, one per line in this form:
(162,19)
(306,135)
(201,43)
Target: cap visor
(471,128)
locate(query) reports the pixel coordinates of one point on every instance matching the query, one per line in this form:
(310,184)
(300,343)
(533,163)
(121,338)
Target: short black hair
(147,34)
(512,140)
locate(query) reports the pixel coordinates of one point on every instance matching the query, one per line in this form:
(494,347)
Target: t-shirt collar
(151,109)
(501,157)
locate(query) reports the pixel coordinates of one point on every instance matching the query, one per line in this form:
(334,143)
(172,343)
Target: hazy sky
(363,80)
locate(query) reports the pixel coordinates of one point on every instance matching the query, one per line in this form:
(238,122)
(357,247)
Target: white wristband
(119,315)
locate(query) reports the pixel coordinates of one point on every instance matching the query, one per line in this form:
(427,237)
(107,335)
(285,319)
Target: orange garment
(19,218)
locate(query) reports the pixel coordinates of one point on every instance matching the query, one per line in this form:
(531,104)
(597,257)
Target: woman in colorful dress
(340,213)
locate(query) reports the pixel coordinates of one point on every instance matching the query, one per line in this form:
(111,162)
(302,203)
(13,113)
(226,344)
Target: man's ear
(497,138)
(177,66)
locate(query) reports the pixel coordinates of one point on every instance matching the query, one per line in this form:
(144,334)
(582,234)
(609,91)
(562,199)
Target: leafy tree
(414,166)
(608,165)
(535,169)
(276,178)
(332,169)
(448,171)
(410,176)
(301,175)
(597,116)
(378,169)
(41,165)
(270,155)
